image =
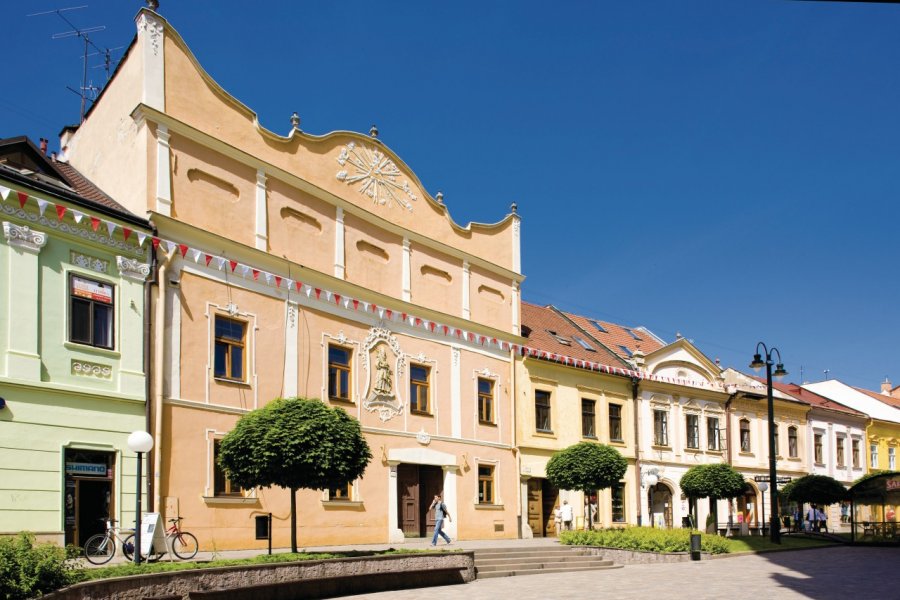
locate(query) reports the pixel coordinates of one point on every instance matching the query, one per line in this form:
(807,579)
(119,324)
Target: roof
(891,400)
(813,399)
(850,396)
(22,161)
(548,330)
(620,339)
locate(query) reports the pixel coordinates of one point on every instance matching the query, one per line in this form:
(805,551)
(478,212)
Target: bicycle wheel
(128,550)
(99,549)
(185,545)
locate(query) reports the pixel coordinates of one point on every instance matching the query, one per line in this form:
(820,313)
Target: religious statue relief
(383,382)
(380,347)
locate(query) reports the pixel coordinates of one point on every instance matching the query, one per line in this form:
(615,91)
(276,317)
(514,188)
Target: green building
(73,266)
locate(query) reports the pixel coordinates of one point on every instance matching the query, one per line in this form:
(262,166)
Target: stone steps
(507,562)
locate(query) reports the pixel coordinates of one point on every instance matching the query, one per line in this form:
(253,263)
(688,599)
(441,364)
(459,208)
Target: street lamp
(756,364)
(763,486)
(651,478)
(139,442)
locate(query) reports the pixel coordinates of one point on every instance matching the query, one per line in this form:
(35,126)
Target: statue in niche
(383,377)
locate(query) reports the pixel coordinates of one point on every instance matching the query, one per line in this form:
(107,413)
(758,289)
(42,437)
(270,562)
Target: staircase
(533,560)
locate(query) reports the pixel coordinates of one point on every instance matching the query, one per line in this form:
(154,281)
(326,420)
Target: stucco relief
(132,269)
(377,175)
(81,367)
(381,350)
(24,237)
(153,28)
(84,232)
(86,261)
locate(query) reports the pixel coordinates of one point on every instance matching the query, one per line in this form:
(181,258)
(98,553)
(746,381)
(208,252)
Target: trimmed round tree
(713,481)
(816,489)
(586,467)
(295,443)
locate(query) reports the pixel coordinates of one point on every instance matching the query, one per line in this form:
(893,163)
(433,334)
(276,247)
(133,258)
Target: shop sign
(892,484)
(74,468)
(85,288)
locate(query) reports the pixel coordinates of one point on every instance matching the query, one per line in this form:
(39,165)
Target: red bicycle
(184,545)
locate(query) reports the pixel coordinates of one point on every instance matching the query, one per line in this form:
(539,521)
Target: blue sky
(726,169)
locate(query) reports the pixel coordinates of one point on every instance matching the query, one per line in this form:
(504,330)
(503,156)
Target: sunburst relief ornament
(378,176)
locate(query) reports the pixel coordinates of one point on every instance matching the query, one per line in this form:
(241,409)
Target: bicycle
(184,544)
(100,548)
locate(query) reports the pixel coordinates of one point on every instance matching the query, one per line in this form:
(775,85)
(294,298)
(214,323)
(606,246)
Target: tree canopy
(295,443)
(712,481)
(586,467)
(817,489)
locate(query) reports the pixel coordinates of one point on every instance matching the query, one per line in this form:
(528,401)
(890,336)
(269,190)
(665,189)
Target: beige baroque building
(316,266)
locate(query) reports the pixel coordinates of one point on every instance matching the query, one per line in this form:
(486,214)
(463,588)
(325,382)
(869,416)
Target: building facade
(72,375)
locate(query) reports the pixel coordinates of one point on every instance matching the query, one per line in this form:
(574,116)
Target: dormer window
(583,344)
(561,339)
(632,333)
(625,350)
(598,326)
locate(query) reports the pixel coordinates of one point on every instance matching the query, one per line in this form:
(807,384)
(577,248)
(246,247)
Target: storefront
(89,493)
(874,503)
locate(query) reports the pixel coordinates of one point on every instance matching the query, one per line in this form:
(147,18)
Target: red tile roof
(85,188)
(547,330)
(890,400)
(811,398)
(616,336)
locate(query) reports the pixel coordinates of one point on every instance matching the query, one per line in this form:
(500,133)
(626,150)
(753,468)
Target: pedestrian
(557,520)
(568,515)
(845,507)
(823,520)
(812,518)
(440,513)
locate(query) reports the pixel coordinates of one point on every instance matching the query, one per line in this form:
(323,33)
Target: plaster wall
(490,299)
(374,257)
(301,227)
(436,280)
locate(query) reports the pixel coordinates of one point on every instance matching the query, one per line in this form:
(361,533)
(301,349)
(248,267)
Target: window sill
(341,400)
(236,382)
(714,450)
(589,437)
(421,413)
(662,447)
(746,453)
(352,504)
(92,349)
(484,506)
(545,434)
(617,442)
(487,423)
(693,450)
(230,500)
(794,458)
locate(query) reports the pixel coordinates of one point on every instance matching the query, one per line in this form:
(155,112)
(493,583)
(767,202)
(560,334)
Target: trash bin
(695,546)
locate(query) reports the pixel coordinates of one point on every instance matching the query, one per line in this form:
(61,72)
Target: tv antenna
(87,89)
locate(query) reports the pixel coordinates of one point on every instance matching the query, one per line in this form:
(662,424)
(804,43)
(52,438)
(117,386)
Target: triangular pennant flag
(269,278)
(278,281)
(374,307)
(318,293)
(171,246)
(4,192)
(417,321)
(60,211)
(245,269)
(309,292)
(155,242)
(110,228)
(346,302)
(195,255)
(221,263)
(458,332)
(23,198)
(403,316)
(184,249)
(380,313)
(288,283)
(445,328)
(299,285)
(355,304)
(233,264)
(327,295)
(390,314)
(255,275)
(141,238)
(337,298)
(365,307)
(78,216)
(126,232)
(42,206)
(208,259)
(431,326)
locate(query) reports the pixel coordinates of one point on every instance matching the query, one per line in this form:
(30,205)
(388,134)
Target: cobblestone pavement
(842,572)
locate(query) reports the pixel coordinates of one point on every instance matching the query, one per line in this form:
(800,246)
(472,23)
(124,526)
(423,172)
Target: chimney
(886,387)
(44,146)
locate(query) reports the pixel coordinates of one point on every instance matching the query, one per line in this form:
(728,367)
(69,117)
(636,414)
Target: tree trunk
(294,520)
(714,511)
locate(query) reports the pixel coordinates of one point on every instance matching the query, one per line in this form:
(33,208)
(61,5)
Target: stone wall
(636,557)
(314,577)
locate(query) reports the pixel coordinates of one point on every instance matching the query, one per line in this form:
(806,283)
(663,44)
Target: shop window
(229,350)
(485,401)
(91,312)
(542,411)
(419,388)
(692,423)
(617,495)
(588,419)
(839,450)
(615,423)
(661,427)
(793,451)
(745,435)
(485,484)
(854,453)
(339,373)
(712,433)
(222,486)
(817,449)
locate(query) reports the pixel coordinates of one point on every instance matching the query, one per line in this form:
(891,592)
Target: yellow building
(316,266)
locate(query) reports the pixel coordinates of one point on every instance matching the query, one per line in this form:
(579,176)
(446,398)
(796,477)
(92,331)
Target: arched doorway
(748,507)
(659,499)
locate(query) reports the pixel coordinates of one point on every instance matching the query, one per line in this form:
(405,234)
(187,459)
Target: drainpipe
(148,324)
(158,372)
(515,450)
(635,385)
(728,403)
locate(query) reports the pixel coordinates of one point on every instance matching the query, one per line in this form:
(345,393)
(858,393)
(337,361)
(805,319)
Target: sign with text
(780,480)
(152,533)
(76,468)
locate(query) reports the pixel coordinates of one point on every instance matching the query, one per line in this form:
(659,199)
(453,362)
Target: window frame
(660,427)
(855,454)
(419,388)
(342,494)
(230,343)
(689,430)
(339,368)
(589,417)
(873,455)
(219,474)
(485,399)
(618,491)
(892,458)
(91,302)
(487,484)
(744,435)
(818,448)
(615,418)
(793,442)
(714,441)
(545,409)
(840,451)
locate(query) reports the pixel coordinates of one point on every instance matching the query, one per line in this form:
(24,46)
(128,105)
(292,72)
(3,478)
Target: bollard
(695,546)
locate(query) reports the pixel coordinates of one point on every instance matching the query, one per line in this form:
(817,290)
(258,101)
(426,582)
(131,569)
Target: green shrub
(28,570)
(645,539)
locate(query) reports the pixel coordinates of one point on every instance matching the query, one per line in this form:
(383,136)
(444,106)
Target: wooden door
(535,508)
(431,482)
(550,496)
(409,506)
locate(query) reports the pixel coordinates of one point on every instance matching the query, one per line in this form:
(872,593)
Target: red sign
(892,484)
(84,288)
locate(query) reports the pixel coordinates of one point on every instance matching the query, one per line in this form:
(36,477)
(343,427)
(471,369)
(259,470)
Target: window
(632,333)
(91,306)
(745,435)
(854,451)
(343,493)
(485,484)
(892,459)
(588,422)
(625,350)
(839,450)
(873,458)
(583,344)
(693,430)
(559,338)
(222,486)
(598,326)
(617,496)
(542,410)
(817,448)
(418,388)
(712,433)
(615,423)
(485,400)
(229,359)
(339,373)
(792,442)
(661,427)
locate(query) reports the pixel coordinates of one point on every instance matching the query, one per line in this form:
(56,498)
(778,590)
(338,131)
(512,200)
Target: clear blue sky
(727,169)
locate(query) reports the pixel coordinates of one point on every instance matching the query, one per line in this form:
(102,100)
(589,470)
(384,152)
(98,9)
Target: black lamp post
(775,530)
(140,443)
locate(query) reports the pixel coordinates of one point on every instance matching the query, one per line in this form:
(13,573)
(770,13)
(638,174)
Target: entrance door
(535,508)
(92,507)
(549,501)
(660,502)
(416,488)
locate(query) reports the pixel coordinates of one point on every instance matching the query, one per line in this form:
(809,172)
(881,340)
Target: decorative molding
(85,368)
(24,237)
(486,373)
(86,261)
(406,282)
(389,403)
(131,268)
(85,232)
(339,233)
(378,176)
(153,28)
(423,438)
(466,296)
